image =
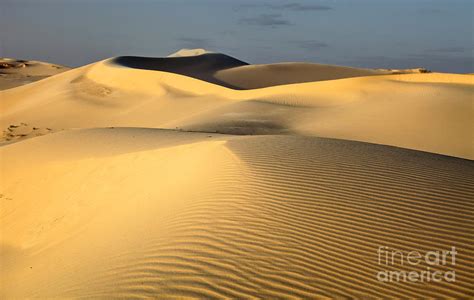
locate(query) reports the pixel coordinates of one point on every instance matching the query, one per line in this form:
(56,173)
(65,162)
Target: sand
(128,178)
(14,72)
(430,112)
(260,76)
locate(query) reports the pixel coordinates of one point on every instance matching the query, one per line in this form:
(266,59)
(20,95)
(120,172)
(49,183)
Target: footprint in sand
(2,196)
(15,132)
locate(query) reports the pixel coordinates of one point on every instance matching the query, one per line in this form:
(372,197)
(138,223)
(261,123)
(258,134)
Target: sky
(434,34)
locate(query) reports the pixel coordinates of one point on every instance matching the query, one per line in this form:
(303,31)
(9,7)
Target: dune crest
(260,76)
(189,52)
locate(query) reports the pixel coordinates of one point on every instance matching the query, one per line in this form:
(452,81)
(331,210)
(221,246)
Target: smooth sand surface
(129,178)
(259,76)
(14,72)
(139,212)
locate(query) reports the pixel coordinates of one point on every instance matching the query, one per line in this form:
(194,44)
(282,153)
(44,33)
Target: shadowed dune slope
(201,66)
(431,112)
(264,217)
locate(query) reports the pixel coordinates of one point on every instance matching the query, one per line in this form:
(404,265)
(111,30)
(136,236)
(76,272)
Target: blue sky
(436,34)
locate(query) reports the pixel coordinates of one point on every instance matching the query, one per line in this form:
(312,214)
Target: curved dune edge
(429,112)
(216,216)
(201,67)
(261,76)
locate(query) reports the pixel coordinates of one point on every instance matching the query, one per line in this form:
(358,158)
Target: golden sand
(134,182)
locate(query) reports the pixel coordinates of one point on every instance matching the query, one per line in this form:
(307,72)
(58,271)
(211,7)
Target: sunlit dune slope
(14,72)
(431,112)
(259,76)
(137,213)
(189,52)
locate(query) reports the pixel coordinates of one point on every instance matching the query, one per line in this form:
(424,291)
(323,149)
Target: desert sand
(14,72)
(201,176)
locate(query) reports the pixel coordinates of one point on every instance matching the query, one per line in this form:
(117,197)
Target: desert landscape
(199,175)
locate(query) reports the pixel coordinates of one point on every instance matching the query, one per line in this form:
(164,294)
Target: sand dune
(202,66)
(430,112)
(266,216)
(150,177)
(15,72)
(232,73)
(260,76)
(189,52)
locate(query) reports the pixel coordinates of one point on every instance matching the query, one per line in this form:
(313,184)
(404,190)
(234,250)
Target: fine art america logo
(420,266)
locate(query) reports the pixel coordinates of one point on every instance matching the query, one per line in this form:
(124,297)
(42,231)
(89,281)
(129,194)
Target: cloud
(271,20)
(448,50)
(299,7)
(293,6)
(188,42)
(312,45)
(276,19)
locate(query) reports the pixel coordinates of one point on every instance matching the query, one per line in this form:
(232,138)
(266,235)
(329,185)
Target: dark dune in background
(201,67)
